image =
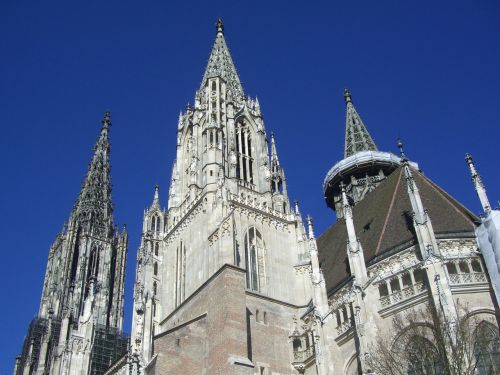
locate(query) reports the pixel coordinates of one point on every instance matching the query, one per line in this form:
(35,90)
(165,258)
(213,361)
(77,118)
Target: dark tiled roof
(383,222)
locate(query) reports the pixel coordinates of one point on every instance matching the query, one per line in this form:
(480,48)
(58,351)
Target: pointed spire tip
(106,120)
(347,95)
(219,26)
(401,150)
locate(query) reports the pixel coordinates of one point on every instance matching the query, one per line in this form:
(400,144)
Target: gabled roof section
(357,137)
(383,222)
(220,64)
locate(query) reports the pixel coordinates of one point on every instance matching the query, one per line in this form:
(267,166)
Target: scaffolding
(36,331)
(109,345)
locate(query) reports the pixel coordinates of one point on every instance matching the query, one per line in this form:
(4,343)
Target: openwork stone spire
(357,137)
(220,64)
(94,201)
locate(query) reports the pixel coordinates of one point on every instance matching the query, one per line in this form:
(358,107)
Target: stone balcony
(403,294)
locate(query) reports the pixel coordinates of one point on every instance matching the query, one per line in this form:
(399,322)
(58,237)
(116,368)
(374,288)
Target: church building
(232,280)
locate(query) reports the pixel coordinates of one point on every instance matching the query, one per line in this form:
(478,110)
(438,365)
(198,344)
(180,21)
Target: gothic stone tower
(78,329)
(222,272)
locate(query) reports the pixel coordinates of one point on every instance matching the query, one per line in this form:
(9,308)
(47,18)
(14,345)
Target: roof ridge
(391,205)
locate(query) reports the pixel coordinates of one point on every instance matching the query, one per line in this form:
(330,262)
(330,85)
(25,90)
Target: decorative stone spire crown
(94,201)
(220,64)
(357,137)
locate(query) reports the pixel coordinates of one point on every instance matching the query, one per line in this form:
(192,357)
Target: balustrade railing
(468,278)
(303,355)
(257,205)
(403,294)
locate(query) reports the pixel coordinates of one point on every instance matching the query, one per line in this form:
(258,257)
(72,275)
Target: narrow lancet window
(255,259)
(244,166)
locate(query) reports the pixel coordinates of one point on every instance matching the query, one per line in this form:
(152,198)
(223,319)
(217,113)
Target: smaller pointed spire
(310,229)
(274,153)
(156,198)
(296,204)
(357,138)
(478,185)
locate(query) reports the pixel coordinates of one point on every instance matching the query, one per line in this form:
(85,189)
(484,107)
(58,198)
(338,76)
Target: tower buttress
(429,250)
(354,250)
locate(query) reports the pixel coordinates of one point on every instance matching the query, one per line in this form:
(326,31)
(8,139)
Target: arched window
(255,259)
(155,269)
(155,288)
(157,247)
(244,166)
(155,224)
(487,349)
(423,357)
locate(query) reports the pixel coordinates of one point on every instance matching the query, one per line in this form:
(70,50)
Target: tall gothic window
(155,223)
(487,349)
(244,166)
(255,259)
(180,274)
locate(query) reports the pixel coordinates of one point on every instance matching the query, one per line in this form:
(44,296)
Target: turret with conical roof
(363,166)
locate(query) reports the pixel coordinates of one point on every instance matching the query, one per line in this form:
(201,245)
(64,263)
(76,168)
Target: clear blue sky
(427,71)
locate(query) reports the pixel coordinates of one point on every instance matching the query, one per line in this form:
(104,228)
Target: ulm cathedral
(231,279)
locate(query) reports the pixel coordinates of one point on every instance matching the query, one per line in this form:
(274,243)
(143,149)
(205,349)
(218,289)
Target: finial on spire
(401,150)
(347,95)
(296,203)
(156,198)
(310,227)
(219,26)
(478,184)
(106,120)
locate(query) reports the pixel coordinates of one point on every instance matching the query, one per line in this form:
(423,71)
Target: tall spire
(220,64)
(478,184)
(94,201)
(357,137)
